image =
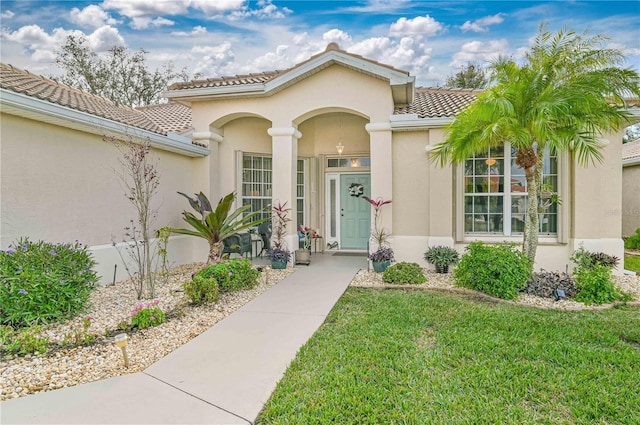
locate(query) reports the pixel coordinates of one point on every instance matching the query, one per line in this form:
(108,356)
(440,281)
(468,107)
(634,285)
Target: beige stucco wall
(323,107)
(60,185)
(630,199)
(335,88)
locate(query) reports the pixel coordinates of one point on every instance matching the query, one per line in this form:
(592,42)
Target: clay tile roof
(171,117)
(631,150)
(32,85)
(438,102)
(235,80)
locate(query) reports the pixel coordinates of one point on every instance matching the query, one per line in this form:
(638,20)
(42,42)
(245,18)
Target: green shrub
(498,270)
(42,282)
(587,259)
(24,341)
(633,241)
(201,289)
(147,315)
(232,275)
(79,335)
(404,273)
(595,286)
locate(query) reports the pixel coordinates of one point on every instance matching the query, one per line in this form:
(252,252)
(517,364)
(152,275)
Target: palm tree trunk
(531,221)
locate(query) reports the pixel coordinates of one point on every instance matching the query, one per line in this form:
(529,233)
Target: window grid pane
(301,165)
(484,185)
(256,183)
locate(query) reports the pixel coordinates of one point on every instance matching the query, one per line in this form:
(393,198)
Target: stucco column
(284,173)
(380,150)
(211,164)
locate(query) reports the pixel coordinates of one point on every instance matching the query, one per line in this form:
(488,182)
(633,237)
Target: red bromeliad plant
(379,234)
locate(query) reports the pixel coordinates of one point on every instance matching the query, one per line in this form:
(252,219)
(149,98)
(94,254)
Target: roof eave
(29,107)
(414,122)
(629,162)
(397,79)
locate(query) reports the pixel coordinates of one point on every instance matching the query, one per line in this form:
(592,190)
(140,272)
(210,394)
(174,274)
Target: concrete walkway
(223,376)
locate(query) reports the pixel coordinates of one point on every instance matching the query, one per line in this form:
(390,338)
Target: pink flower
(152,318)
(134,312)
(89,318)
(156,302)
(230,274)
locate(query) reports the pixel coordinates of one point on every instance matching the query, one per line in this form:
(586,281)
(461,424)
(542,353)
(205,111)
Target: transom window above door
(349,162)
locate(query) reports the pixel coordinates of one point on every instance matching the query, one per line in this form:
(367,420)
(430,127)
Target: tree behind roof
(469,77)
(120,75)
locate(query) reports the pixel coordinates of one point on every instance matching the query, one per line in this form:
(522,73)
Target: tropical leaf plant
(216,225)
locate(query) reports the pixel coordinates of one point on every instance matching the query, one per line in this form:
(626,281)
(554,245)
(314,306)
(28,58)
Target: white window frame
(562,210)
(240,181)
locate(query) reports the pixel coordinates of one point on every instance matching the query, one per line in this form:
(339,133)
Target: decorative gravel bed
(438,281)
(111,305)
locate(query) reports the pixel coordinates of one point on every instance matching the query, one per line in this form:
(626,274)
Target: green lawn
(422,357)
(632,262)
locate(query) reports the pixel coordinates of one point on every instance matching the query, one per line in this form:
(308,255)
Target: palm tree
(566,94)
(216,225)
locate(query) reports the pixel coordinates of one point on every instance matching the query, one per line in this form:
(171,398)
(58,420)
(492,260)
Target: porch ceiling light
(340,147)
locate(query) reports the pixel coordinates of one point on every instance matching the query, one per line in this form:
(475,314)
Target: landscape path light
(121,341)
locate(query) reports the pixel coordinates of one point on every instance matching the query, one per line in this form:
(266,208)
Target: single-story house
(307,136)
(630,187)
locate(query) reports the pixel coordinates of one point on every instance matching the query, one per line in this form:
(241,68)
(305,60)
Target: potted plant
(381,259)
(303,255)
(441,257)
(279,254)
(279,257)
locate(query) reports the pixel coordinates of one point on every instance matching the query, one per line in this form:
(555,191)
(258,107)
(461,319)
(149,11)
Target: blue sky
(430,39)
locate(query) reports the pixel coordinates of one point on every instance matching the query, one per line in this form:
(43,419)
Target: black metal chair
(238,243)
(264,230)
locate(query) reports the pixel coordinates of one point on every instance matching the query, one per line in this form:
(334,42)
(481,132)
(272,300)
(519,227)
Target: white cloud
(266,10)
(146,22)
(197,30)
(421,25)
(301,39)
(372,48)
(105,38)
(272,60)
(147,8)
(480,25)
(42,46)
(626,50)
(337,36)
(7,14)
(30,35)
(213,60)
(479,51)
(91,16)
(145,13)
(217,7)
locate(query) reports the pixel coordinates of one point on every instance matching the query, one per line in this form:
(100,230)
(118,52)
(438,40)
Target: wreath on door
(356,190)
